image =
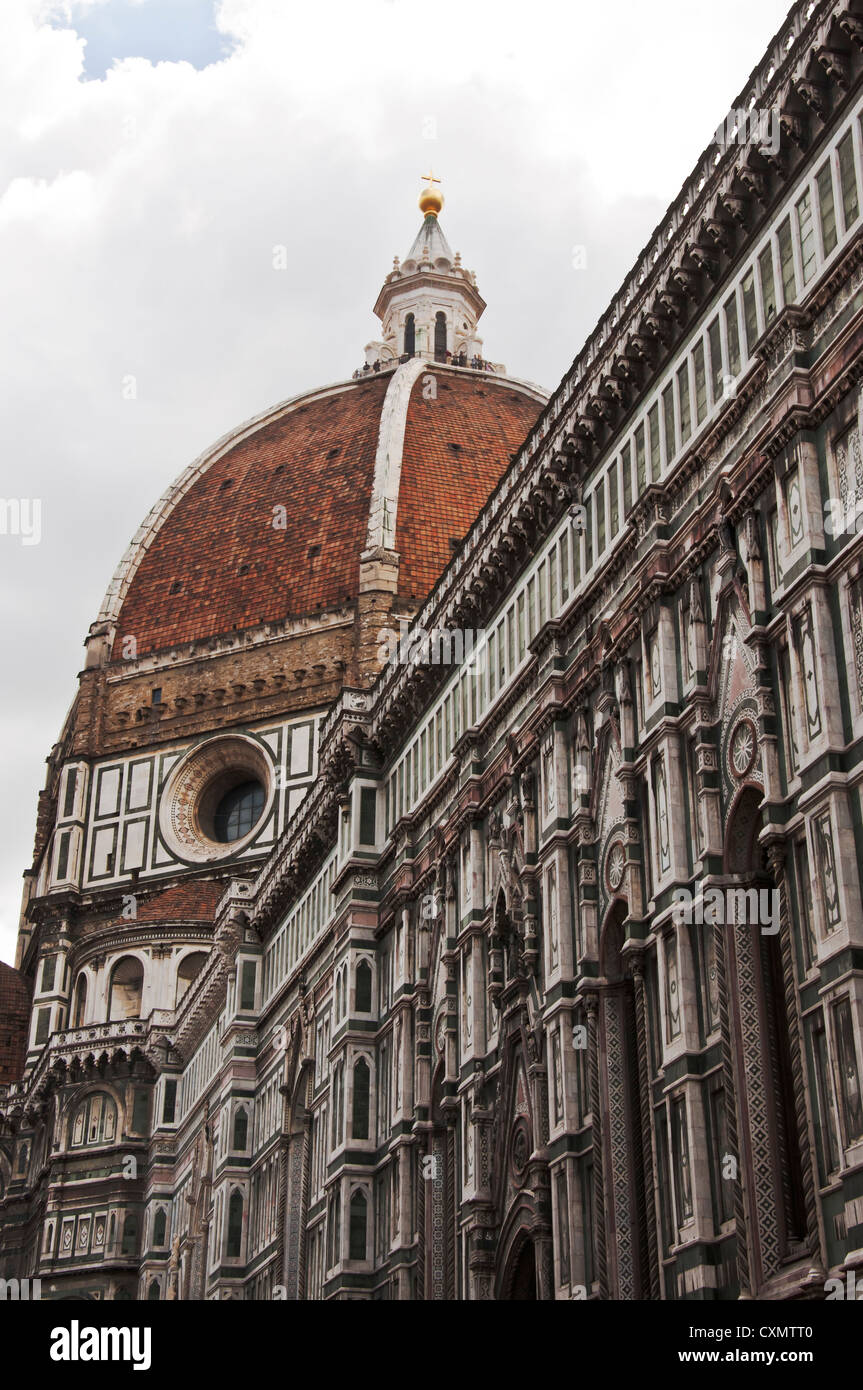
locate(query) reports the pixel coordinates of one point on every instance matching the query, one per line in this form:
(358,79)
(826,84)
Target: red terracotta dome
(14,1023)
(272,521)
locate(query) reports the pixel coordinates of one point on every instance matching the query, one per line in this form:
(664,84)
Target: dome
(273,520)
(14,1023)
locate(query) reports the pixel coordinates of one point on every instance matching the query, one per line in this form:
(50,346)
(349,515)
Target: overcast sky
(153,154)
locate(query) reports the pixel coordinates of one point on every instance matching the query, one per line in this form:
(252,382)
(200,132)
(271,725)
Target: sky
(199,200)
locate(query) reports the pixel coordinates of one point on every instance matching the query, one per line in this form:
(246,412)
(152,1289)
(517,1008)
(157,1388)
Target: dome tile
(14,1023)
(443,489)
(218,544)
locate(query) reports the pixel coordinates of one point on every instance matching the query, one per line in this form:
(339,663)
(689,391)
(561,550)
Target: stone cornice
(399,283)
(141,938)
(228,644)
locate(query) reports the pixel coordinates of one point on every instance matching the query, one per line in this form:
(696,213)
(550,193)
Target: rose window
(743,747)
(616,866)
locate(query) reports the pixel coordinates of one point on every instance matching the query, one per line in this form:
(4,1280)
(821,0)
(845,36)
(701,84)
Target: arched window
(338,1084)
(80,1001)
(130,1234)
(410,335)
(94,1122)
(235,1225)
(334,1234)
(357,1239)
(127,986)
(159,1227)
(153,1295)
(190,966)
(241,1129)
(440,337)
(360,1113)
(364,987)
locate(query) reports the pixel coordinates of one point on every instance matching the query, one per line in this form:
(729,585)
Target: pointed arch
(507,861)
(505,937)
(241,1129)
(741,851)
(358,1223)
(605,785)
(234,1237)
(612,937)
(726,649)
(361,1099)
(754,936)
(160,1225)
(517,1264)
(363,986)
(437,940)
(619,1153)
(520,1177)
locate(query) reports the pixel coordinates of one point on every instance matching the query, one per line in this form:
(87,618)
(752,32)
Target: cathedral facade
(447,881)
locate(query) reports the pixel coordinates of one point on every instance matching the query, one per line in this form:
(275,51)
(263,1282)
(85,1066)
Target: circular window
(743,748)
(520,1150)
(615,865)
(216,799)
(238,812)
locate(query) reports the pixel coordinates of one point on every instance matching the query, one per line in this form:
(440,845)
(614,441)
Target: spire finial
(431,199)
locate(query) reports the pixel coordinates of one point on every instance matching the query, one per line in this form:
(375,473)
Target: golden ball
(430,200)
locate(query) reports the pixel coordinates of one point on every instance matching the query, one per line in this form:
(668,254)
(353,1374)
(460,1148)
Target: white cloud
(138,216)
